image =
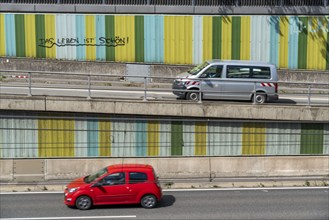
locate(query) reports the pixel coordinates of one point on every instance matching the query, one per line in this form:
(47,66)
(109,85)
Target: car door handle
(128,188)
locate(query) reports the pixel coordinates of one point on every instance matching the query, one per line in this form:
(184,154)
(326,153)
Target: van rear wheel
(194,96)
(259,98)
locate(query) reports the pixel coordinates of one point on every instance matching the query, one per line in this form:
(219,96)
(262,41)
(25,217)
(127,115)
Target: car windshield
(198,68)
(92,177)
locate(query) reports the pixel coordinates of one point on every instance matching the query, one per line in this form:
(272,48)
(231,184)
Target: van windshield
(93,177)
(198,68)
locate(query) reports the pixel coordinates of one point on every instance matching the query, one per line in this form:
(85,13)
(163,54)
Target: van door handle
(128,188)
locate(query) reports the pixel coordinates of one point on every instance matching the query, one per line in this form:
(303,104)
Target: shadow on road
(167,200)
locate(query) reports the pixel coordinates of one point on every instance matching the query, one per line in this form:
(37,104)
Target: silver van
(229,80)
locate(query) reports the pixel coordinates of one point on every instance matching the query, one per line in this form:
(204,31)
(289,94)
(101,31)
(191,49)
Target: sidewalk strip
(79,217)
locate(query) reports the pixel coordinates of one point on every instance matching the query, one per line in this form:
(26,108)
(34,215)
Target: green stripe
(216,37)
(302,43)
(311,139)
(176,138)
(236,37)
(20,35)
(139,38)
(40,35)
(110,33)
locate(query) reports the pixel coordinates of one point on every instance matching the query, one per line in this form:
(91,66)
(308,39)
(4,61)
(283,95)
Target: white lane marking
(191,190)
(78,217)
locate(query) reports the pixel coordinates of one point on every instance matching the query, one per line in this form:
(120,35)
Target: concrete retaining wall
(23,170)
(157,70)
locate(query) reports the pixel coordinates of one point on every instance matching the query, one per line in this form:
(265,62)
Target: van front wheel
(259,98)
(194,96)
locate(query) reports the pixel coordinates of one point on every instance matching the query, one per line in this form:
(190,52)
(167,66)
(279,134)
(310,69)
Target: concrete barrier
(157,70)
(169,168)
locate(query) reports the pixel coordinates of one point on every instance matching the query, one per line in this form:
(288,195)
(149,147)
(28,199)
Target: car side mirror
(98,184)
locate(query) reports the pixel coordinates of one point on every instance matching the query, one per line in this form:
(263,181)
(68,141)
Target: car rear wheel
(260,98)
(148,201)
(83,203)
(194,96)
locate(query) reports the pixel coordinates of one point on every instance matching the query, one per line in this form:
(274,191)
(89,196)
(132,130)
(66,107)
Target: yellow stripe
(2,35)
(253,139)
(50,33)
(153,138)
(125,30)
(207,37)
(30,38)
(200,139)
(227,37)
(245,38)
(104,138)
(316,43)
(56,138)
(283,39)
(91,37)
(178,39)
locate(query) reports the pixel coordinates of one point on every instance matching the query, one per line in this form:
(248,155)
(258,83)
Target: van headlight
(179,82)
(72,190)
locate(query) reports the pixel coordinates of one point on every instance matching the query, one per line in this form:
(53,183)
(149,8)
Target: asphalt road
(298,203)
(137,93)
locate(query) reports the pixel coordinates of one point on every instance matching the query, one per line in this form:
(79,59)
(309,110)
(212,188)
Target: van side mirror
(98,184)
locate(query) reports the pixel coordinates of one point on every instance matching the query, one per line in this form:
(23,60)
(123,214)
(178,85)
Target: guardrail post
(309,95)
(254,96)
(30,83)
(145,87)
(89,87)
(200,92)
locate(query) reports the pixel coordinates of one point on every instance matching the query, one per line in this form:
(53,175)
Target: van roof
(239,62)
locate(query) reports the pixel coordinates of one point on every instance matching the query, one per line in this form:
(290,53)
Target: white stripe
(80,217)
(191,190)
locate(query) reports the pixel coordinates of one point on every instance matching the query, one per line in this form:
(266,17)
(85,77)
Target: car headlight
(180,82)
(72,190)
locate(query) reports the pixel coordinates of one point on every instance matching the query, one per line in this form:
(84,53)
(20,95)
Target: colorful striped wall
(74,135)
(295,42)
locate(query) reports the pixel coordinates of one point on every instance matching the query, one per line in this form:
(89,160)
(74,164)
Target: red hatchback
(115,184)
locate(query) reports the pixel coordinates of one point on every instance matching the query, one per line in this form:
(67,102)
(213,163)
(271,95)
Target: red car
(115,184)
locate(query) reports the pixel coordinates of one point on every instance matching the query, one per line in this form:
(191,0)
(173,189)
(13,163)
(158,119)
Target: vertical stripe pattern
(296,42)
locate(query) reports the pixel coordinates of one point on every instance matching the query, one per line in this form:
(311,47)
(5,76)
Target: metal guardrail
(102,82)
(179,2)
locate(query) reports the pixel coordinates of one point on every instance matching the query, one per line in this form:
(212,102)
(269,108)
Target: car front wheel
(83,203)
(194,96)
(148,201)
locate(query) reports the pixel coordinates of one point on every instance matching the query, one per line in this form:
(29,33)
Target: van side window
(237,72)
(137,177)
(260,72)
(213,72)
(114,179)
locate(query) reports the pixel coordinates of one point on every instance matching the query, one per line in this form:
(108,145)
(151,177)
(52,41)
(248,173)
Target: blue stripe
(81,50)
(10,35)
(274,39)
(141,141)
(293,42)
(100,32)
(92,138)
(153,38)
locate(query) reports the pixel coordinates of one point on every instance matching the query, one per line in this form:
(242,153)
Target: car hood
(77,183)
(185,75)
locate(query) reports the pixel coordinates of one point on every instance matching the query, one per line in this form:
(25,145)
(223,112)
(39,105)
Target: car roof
(128,166)
(249,62)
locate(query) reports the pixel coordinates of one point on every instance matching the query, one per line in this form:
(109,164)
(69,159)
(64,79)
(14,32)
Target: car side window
(213,72)
(114,179)
(137,177)
(237,72)
(261,73)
